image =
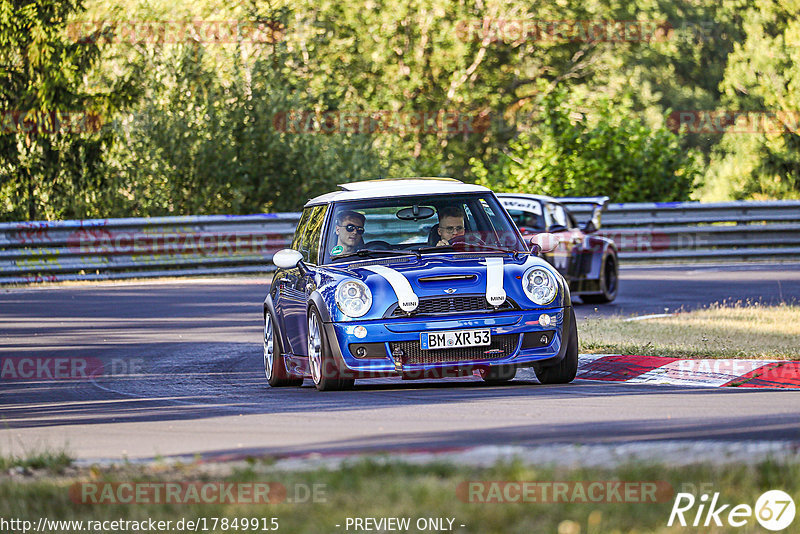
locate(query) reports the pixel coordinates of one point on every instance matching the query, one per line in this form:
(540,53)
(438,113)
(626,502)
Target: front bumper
(518,339)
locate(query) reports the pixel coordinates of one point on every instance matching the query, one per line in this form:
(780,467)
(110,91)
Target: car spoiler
(580,204)
(600,202)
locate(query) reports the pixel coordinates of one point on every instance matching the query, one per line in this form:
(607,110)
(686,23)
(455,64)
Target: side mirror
(546,242)
(287,258)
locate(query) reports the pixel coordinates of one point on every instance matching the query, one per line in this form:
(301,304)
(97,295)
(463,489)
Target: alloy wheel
(314,349)
(269,346)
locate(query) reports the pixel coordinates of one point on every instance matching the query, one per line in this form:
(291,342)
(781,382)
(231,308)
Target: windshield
(526,213)
(445,223)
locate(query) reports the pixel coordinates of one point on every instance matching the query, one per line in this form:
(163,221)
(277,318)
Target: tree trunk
(31,199)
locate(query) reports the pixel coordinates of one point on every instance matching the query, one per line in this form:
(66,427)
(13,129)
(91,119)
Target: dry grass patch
(741,330)
(375,488)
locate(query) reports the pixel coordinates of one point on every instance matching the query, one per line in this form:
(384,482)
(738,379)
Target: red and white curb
(684,372)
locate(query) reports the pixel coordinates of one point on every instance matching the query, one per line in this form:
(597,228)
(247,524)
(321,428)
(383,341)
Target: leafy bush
(203,144)
(616,154)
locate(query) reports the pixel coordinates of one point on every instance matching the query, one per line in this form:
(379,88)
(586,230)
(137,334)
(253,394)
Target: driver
(349,232)
(451,224)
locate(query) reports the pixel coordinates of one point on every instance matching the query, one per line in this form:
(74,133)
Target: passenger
(349,232)
(451,224)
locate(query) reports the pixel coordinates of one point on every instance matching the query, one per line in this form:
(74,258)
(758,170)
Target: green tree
(435,54)
(189,126)
(206,136)
(763,77)
(47,168)
(609,153)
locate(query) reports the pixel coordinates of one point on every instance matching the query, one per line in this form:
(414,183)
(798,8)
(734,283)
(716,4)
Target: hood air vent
(448,278)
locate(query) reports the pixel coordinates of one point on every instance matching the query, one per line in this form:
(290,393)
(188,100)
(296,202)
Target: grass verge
(740,330)
(370,488)
(50,461)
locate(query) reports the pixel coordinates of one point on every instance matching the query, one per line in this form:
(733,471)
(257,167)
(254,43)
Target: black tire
(563,372)
(498,374)
(609,282)
(274,368)
(325,371)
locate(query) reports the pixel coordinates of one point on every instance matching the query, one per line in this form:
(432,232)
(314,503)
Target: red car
(588,262)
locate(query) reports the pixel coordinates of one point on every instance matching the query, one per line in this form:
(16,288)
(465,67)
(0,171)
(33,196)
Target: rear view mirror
(546,242)
(286,258)
(415,213)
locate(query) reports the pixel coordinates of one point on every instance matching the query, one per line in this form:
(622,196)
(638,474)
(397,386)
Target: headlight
(353,298)
(540,285)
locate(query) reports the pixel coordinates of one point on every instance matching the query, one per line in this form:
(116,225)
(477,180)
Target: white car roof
(397,188)
(542,198)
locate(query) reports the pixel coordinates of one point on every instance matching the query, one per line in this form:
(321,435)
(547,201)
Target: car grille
(444,305)
(502,346)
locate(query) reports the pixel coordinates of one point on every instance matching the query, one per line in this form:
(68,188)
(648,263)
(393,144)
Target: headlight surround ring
(540,285)
(353,298)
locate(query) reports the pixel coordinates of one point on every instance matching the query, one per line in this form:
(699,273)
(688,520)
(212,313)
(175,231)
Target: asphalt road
(660,289)
(197,384)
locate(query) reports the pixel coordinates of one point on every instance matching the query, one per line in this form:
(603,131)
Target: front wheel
(324,371)
(274,368)
(563,372)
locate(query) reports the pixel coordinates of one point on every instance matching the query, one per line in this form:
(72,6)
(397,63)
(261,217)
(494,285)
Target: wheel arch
(567,325)
(601,247)
(318,302)
(277,326)
(567,293)
(315,299)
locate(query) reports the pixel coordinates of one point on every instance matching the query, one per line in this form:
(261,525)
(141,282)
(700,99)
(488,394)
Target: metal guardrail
(218,244)
(694,231)
(130,248)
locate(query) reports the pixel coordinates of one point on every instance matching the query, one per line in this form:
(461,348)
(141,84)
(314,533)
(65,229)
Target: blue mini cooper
(415,278)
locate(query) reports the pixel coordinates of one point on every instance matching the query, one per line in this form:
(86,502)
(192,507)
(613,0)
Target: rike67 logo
(774,510)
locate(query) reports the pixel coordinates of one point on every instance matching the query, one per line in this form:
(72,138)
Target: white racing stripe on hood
(406,298)
(495,294)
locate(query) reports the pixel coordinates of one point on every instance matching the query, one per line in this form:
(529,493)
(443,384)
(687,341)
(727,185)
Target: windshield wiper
(370,251)
(496,249)
(472,246)
(443,248)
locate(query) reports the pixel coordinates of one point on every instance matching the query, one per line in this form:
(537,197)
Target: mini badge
(338,249)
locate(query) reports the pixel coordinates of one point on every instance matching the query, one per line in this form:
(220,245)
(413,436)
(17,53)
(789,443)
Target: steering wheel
(378,245)
(464,241)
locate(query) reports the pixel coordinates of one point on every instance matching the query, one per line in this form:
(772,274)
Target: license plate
(455,339)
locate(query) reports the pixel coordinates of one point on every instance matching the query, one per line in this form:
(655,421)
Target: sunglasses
(353,228)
